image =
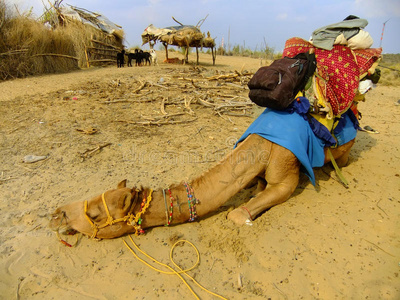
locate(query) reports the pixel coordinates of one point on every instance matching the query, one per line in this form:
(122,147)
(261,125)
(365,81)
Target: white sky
(244,23)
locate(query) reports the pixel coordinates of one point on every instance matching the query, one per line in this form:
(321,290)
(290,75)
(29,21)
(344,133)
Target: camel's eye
(94,217)
(94,213)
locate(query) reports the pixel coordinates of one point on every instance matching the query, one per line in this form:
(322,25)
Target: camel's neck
(212,189)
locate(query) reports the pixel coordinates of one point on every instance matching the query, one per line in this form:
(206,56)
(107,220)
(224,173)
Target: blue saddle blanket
(292,131)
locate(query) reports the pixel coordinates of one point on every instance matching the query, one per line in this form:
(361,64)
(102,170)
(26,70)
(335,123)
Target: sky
(247,23)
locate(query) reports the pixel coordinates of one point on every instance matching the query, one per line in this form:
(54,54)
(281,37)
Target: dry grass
(390,77)
(27,47)
(390,67)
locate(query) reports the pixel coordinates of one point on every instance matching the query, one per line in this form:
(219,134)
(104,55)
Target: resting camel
(127,210)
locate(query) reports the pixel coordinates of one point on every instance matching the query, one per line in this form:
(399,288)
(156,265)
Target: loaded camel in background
(182,36)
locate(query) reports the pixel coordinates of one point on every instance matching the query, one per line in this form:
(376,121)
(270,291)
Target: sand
(325,242)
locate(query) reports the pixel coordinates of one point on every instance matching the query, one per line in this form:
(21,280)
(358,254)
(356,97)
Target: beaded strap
(171,199)
(137,222)
(192,201)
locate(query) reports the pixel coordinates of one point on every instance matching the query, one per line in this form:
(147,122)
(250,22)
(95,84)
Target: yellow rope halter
(130,218)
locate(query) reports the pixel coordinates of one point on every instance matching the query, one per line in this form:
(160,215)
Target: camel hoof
(239,217)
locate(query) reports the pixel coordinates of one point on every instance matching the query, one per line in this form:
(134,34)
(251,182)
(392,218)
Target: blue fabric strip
(346,130)
(293,131)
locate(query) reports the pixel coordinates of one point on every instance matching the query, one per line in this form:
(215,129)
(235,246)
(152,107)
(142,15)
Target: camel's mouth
(59,224)
(67,231)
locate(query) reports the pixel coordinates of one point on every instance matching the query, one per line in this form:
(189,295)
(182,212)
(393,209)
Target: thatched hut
(61,40)
(99,38)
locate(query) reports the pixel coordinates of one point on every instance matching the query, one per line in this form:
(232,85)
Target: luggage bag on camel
(277,85)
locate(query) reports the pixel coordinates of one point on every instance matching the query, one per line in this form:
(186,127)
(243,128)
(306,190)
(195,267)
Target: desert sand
(325,242)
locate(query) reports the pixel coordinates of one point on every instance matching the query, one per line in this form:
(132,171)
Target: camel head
(108,215)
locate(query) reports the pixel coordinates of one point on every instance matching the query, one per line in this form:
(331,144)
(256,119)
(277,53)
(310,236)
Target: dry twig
(143,84)
(6,179)
(378,247)
(90,152)
(158,123)
(162,107)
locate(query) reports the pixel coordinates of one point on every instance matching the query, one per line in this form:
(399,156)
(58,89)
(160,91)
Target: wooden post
(87,58)
(214,54)
(166,50)
(187,51)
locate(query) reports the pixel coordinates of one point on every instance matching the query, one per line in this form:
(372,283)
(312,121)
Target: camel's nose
(56,219)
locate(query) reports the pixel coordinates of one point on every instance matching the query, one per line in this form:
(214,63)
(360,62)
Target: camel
(118,212)
(127,210)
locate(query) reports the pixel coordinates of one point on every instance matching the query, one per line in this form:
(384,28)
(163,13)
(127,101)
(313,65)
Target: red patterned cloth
(339,76)
(295,46)
(366,58)
(339,70)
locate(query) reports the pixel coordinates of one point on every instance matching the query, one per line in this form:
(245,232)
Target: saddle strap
(337,170)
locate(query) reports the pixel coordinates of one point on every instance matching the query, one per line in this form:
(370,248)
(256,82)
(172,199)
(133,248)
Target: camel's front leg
(282,175)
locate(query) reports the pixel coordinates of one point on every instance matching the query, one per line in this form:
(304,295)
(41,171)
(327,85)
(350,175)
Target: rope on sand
(172,271)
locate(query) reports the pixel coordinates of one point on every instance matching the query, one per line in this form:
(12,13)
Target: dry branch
(158,123)
(131,100)
(102,49)
(14,52)
(6,179)
(159,85)
(162,107)
(105,44)
(157,118)
(223,76)
(143,84)
(101,60)
(205,103)
(56,55)
(177,21)
(234,106)
(234,75)
(216,87)
(89,131)
(90,152)
(187,106)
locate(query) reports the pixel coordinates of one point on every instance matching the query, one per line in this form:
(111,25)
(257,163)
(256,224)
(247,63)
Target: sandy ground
(327,242)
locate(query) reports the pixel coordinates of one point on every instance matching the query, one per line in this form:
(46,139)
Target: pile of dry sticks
(224,94)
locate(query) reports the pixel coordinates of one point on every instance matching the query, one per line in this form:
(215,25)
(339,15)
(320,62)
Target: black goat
(146,57)
(121,59)
(139,56)
(132,56)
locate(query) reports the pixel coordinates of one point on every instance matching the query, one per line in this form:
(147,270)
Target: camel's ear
(122,184)
(126,201)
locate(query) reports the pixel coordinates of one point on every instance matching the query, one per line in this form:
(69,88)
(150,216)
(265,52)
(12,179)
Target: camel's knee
(261,185)
(272,195)
(340,154)
(343,160)
(283,191)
